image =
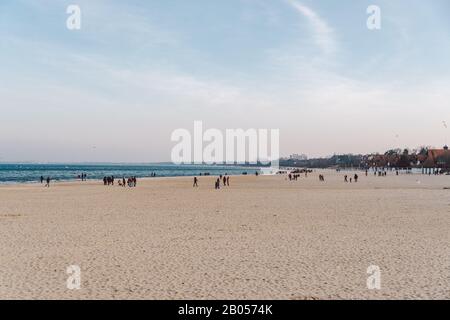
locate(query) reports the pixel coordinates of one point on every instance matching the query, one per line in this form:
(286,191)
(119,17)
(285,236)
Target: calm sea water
(20,173)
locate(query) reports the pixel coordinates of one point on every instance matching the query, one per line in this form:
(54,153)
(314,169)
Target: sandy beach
(261,238)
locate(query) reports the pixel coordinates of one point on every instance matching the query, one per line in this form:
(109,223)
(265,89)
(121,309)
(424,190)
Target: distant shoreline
(11,174)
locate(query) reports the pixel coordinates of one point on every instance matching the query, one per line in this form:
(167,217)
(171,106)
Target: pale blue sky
(137,70)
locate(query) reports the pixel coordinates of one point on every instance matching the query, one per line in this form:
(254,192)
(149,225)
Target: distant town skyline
(115,90)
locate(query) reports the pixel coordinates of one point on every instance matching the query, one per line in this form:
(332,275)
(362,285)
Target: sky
(116,89)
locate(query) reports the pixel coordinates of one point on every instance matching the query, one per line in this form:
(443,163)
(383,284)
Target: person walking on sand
(356,177)
(218,183)
(345,178)
(228,181)
(48,182)
(195,182)
(224,181)
(42,179)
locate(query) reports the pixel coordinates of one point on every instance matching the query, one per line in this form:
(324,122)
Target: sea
(29,173)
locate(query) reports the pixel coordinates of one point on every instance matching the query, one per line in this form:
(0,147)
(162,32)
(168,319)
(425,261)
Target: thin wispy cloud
(323,34)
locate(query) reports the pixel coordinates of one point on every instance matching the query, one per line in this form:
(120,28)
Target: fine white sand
(261,238)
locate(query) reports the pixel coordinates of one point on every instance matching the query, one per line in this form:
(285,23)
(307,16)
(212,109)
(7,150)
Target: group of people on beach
(131,181)
(355,177)
(380,173)
(47,181)
(82,176)
(293,176)
(107,181)
(225,179)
